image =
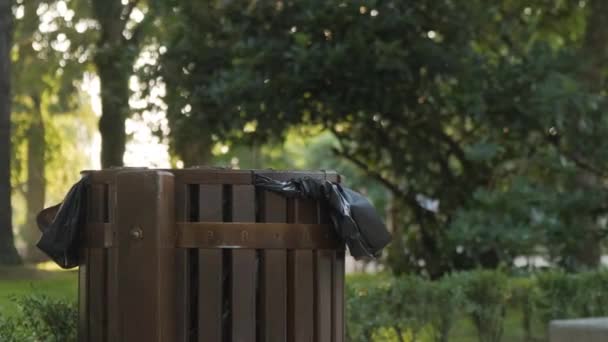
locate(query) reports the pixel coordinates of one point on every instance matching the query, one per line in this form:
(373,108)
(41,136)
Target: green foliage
(446,298)
(559,296)
(365,310)
(481,107)
(487,294)
(425,310)
(40,318)
(524,296)
(402,308)
(568,295)
(409,310)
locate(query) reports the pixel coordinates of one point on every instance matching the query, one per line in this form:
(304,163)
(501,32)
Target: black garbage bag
(354,218)
(62,224)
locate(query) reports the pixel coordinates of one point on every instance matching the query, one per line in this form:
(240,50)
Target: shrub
(559,296)
(524,291)
(40,318)
(486,296)
(411,308)
(365,309)
(446,298)
(593,293)
(408,305)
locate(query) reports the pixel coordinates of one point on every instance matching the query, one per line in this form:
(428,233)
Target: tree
(8,253)
(117,47)
(48,58)
(451,105)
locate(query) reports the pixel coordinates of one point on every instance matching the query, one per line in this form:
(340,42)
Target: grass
(18,281)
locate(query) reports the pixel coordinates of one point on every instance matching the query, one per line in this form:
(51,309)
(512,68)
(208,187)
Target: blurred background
(477,128)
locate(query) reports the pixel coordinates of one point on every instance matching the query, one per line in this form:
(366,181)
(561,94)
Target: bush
(559,296)
(593,293)
(524,292)
(408,306)
(411,308)
(486,295)
(365,309)
(446,299)
(572,295)
(40,318)
(401,309)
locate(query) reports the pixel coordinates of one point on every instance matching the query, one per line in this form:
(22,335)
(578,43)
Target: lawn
(17,281)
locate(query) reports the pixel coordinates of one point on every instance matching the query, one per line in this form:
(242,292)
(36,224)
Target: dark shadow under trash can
(202,255)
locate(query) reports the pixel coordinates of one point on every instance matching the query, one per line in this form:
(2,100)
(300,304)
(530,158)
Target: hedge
(410,308)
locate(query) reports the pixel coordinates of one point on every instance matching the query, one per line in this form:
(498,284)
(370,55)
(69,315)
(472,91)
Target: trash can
(204,255)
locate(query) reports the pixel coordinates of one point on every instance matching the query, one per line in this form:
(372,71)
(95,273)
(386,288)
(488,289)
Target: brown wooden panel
(338,298)
(255,235)
(323,275)
(83,334)
(94,196)
(213,176)
(288,175)
(145,220)
(96,204)
(96,294)
(244,267)
(323,291)
(210,270)
(301,284)
(113,301)
(96,268)
(210,295)
(98,235)
(112,290)
(273,284)
(182,269)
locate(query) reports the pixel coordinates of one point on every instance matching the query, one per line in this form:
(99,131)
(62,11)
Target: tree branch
(375,174)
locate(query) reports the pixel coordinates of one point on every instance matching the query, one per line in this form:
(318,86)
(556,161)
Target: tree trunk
(8,252)
(35,193)
(114,59)
(115,109)
(197,153)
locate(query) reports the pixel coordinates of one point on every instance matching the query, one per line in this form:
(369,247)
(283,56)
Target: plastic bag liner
(62,224)
(354,218)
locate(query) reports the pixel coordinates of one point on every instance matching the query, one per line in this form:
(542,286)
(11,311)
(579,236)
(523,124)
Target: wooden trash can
(202,255)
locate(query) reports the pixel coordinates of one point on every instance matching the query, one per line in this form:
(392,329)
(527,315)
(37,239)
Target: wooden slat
(144,221)
(113,299)
(244,267)
(323,302)
(83,333)
(210,295)
(98,235)
(213,176)
(323,274)
(97,295)
(301,285)
(182,268)
(96,267)
(210,270)
(338,297)
(255,235)
(273,285)
(112,260)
